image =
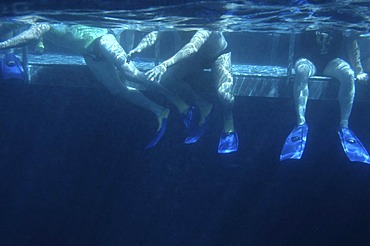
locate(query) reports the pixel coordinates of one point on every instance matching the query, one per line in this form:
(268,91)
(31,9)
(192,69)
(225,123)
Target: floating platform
(249,80)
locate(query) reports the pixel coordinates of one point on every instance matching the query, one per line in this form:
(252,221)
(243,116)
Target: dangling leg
(343,72)
(200,116)
(106,73)
(114,52)
(296,141)
(229,141)
(304,70)
(188,114)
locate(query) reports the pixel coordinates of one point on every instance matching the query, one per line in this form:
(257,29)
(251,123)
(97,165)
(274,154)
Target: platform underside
(249,80)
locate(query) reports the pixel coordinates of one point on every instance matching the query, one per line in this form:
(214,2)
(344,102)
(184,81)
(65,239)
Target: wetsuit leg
(221,68)
(224,80)
(201,116)
(178,78)
(304,69)
(343,72)
(107,74)
(114,53)
(295,143)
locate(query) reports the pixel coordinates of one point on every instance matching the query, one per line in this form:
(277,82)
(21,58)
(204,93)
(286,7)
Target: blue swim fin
(352,146)
(189,117)
(158,136)
(295,143)
(11,68)
(197,132)
(229,142)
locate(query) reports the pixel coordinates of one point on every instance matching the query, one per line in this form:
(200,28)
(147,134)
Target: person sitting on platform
(360,60)
(326,56)
(107,61)
(206,49)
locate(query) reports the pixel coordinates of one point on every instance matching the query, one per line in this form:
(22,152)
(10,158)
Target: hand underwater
(362,77)
(131,54)
(156,73)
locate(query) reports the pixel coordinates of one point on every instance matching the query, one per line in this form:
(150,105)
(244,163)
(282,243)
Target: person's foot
(198,130)
(229,142)
(295,143)
(11,68)
(189,117)
(352,146)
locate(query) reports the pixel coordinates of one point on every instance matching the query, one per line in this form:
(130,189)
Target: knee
(340,70)
(304,66)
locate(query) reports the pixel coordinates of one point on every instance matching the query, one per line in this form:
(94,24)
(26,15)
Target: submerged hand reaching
(156,73)
(362,77)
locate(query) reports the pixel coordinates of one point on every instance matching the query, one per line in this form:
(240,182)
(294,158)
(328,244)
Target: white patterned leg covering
(225,82)
(304,69)
(343,72)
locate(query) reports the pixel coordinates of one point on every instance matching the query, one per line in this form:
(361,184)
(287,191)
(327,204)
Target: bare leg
(343,72)
(304,70)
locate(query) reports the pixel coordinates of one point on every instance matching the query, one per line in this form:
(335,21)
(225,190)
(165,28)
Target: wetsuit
(206,56)
(320,50)
(364,45)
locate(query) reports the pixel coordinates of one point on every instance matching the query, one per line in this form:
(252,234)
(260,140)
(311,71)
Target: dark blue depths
(74,172)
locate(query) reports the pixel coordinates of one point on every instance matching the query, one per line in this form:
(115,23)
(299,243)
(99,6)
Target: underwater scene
(185,122)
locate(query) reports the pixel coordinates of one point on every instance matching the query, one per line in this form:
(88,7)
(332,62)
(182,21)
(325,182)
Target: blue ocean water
(74,170)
